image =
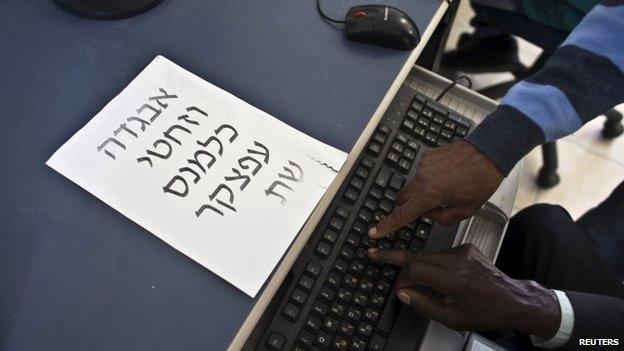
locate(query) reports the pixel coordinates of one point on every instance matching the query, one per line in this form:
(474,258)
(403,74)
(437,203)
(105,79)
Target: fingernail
(372,232)
(404,297)
(372,250)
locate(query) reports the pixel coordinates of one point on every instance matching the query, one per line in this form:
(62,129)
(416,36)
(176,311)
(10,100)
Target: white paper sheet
(193,170)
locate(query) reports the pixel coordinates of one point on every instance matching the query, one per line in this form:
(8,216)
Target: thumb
(424,305)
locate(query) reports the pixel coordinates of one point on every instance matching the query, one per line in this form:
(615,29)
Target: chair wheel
(611,130)
(547,179)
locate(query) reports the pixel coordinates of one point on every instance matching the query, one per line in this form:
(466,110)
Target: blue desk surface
(75,274)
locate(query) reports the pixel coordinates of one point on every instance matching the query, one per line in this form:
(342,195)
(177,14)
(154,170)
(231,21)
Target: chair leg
(612,127)
(548,177)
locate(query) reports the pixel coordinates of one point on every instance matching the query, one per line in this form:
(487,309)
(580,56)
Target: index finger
(401,216)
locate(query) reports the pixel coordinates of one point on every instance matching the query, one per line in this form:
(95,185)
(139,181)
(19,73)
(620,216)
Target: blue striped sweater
(583,79)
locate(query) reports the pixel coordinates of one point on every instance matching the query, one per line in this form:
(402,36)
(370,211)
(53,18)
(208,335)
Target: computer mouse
(381,25)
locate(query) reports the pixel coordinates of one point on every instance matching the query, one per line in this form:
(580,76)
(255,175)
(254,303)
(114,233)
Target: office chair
(548,39)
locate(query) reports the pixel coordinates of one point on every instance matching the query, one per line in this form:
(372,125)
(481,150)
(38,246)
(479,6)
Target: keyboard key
(345,295)
(360,254)
(320,308)
(397,146)
(420,131)
(350,281)
(334,279)
(404,165)
(353,240)
(431,138)
(354,314)
(362,172)
(413,145)
(383,177)
(365,286)
(402,137)
(323,339)
(291,312)
(392,157)
(340,343)
(439,119)
(384,244)
(422,232)
(314,269)
(359,228)
(313,323)
(427,112)
(351,196)
(275,341)
(383,286)
(341,266)
(338,309)
(396,183)
(389,314)
(298,348)
(380,137)
(365,329)
(461,131)
(389,273)
(409,154)
(346,253)
(346,328)
(442,142)
(360,299)
(372,271)
(358,344)
(371,314)
(357,184)
(378,300)
(330,236)
(413,114)
(434,127)
(377,343)
(374,148)
(336,224)
(384,129)
(330,324)
(305,338)
(450,124)
(299,297)
(306,283)
(367,163)
(386,206)
(446,134)
(323,250)
(365,216)
(426,220)
(417,105)
(357,267)
(327,293)
(375,193)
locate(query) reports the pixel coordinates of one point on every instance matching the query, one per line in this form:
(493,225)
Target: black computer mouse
(381,25)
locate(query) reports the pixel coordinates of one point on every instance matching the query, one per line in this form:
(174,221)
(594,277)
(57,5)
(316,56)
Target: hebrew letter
(207,206)
(193,108)
(169,187)
(211,139)
(231,196)
(163,156)
(165,96)
(128,130)
(188,120)
(155,110)
(271,191)
(188,169)
(140,120)
(113,140)
(292,177)
(265,154)
(195,160)
(223,126)
(167,134)
(249,158)
(145,159)
(246,178)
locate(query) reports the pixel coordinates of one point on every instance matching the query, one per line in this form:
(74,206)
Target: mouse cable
(454,83)
(320,11)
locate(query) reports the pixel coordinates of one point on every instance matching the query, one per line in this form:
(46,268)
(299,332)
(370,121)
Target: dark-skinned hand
(452,183)
(472,293)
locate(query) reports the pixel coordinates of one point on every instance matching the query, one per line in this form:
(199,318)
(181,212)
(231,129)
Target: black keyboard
(334,298)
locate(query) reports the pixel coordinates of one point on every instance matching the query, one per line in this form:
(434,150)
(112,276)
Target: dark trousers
(544,244)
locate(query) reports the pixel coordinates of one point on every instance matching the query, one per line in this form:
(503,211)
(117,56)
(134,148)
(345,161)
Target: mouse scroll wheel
(359,14)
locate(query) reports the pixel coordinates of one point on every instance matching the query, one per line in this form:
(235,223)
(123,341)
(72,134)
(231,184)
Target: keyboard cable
(454,83)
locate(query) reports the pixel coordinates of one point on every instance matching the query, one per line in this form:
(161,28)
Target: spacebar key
(389,314)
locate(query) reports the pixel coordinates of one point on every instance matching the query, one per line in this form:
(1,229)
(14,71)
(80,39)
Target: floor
(590,167)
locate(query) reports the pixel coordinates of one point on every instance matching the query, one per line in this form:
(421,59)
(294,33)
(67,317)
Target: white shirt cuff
(565,327)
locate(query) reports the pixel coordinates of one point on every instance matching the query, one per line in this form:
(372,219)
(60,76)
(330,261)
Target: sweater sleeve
(581,80)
